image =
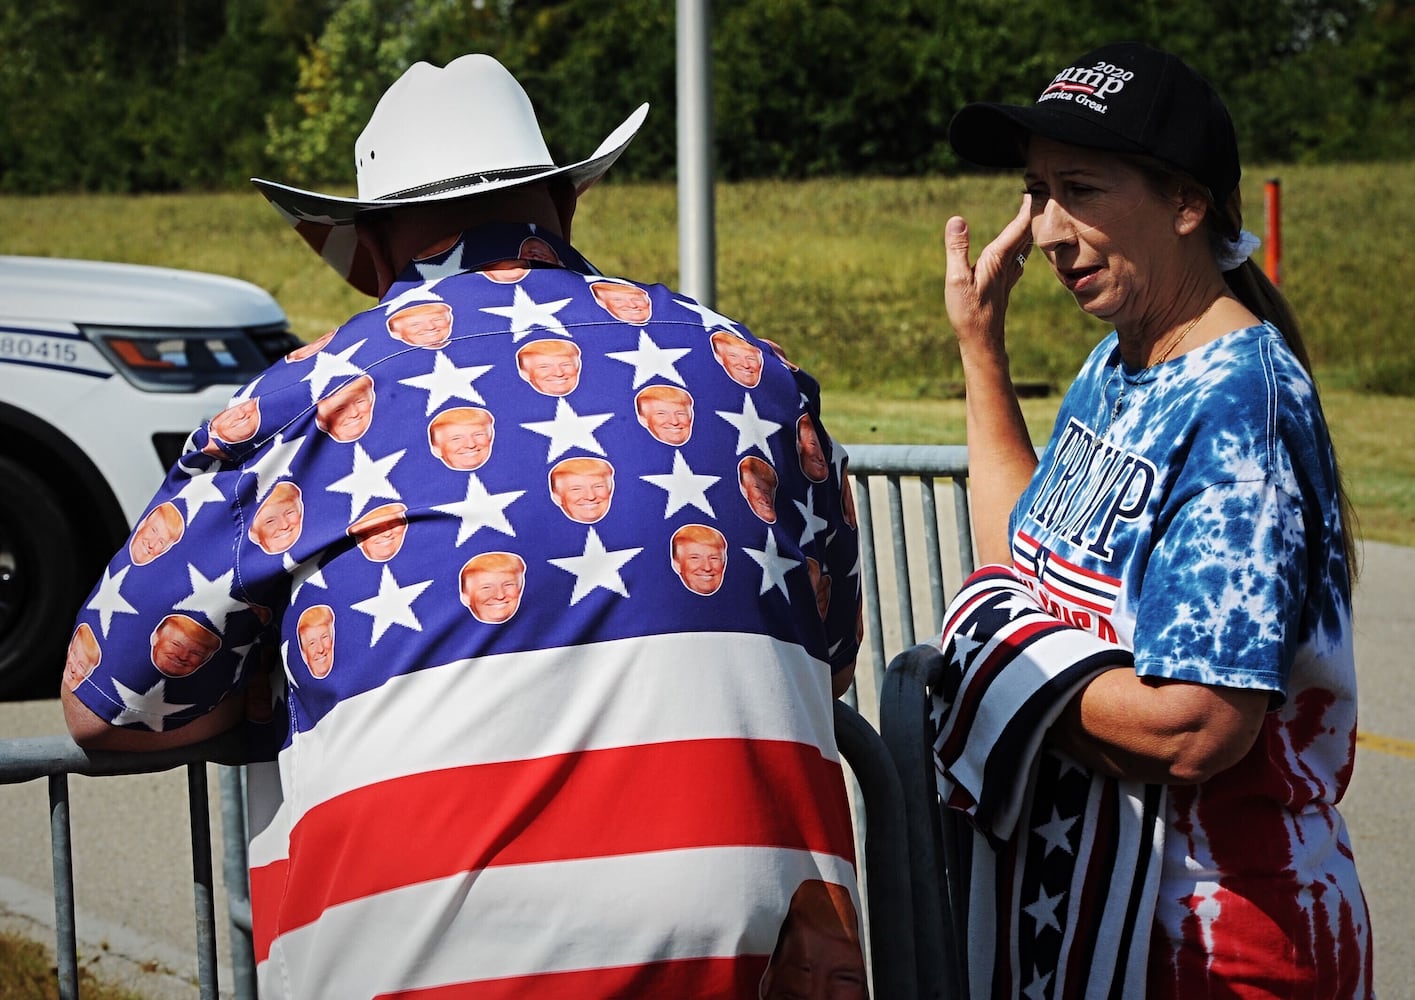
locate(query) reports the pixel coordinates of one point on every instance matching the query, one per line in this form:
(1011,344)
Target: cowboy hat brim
(326,222)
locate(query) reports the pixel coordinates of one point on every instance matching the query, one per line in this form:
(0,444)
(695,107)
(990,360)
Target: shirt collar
(475,249)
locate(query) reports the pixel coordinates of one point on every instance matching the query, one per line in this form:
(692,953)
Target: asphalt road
(132,854)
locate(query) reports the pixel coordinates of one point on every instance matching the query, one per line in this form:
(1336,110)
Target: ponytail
(1251,285)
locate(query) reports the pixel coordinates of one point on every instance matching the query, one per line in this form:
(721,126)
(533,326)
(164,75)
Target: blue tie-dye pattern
(1203,530)
(1230,558)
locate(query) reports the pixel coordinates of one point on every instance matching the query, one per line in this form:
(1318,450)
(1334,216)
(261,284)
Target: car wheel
(40,584)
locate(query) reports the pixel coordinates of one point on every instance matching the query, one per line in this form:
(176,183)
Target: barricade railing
(919,544)
(923,540)
(56,758)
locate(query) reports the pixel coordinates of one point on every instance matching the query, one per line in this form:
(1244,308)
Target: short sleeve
(167,632)
(1224,590)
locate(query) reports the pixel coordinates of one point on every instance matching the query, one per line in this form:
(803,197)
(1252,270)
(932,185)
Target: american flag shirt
(1199,526)
(553,570)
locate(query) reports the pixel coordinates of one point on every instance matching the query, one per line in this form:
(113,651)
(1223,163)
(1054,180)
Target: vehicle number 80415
(38,349)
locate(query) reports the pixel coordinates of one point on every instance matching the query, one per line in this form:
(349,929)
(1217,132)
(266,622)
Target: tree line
(168,95)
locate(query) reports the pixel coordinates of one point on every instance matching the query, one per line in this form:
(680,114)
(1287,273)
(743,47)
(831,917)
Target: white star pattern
(596,567)
(1015,604)
(814,523)
(774,565)
(240,653)
(109,599)
(1043,910)
(481,510)
(245,392)
(1038,987)
(569,430)
(328,367)
(446,381)
(210,597)
(149,707)
(392,605)
(415,294)
(938,708)
(203,463)
(964,645)
(369,479)
(436,272)
(684,487)
(1055,833)
(200,490)
(274,463)
(712,320)
(525,313)
(285,658)
(308,572)
(650,360)
(838,458)
(752,430)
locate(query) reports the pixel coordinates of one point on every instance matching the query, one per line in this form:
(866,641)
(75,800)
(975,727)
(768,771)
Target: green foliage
(364,47)
(587,64)
(163,95)
(848,276)
(146,96)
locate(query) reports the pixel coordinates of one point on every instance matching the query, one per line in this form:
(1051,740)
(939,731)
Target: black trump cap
(1122,98)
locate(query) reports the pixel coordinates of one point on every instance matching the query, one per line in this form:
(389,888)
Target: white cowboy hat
(437,134)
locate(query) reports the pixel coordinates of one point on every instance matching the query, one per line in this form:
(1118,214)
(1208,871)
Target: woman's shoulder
(1255,361)
(1252,387)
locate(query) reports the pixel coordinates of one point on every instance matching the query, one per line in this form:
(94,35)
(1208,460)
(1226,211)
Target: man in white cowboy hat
(614,791)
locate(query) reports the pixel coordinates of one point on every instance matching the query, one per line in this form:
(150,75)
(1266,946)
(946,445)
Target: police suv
(105,369)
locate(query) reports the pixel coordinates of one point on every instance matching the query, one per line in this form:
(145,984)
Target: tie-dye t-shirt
(1198,523)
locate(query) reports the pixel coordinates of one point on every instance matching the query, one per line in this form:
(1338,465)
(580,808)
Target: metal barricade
(918,544)
(886,848)
(56,758)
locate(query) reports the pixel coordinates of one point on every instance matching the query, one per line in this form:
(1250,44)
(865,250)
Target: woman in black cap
(1187,507)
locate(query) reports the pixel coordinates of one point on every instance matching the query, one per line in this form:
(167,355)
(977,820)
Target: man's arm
(841,679)
(92,733)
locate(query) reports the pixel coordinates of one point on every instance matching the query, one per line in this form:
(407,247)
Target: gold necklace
(1164,356)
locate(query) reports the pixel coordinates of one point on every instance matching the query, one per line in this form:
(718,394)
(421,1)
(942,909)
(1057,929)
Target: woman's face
(1110,238)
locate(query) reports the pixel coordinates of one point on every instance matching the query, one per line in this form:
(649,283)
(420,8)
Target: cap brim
(326,221)
(995,135)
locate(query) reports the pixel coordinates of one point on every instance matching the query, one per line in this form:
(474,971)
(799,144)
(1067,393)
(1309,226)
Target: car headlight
(188,360)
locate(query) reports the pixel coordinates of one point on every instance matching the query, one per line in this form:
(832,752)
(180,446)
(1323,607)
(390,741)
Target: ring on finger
(1021,259)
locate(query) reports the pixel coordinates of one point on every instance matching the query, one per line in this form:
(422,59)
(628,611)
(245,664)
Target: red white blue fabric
(530,741)
(1062,864)
(1202,531)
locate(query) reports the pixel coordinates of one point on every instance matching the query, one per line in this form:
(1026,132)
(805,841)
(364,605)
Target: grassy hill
(848,276)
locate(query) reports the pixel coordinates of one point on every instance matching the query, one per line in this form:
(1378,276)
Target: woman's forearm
(1163,732)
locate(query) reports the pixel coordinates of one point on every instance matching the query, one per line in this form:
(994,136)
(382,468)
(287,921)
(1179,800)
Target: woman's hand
(976,295)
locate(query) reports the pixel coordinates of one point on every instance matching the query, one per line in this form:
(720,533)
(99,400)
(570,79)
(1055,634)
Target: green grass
(1373,434)
(848,276)
(27,972)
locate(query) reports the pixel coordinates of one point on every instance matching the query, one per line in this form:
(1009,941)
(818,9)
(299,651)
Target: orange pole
(1272,258)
